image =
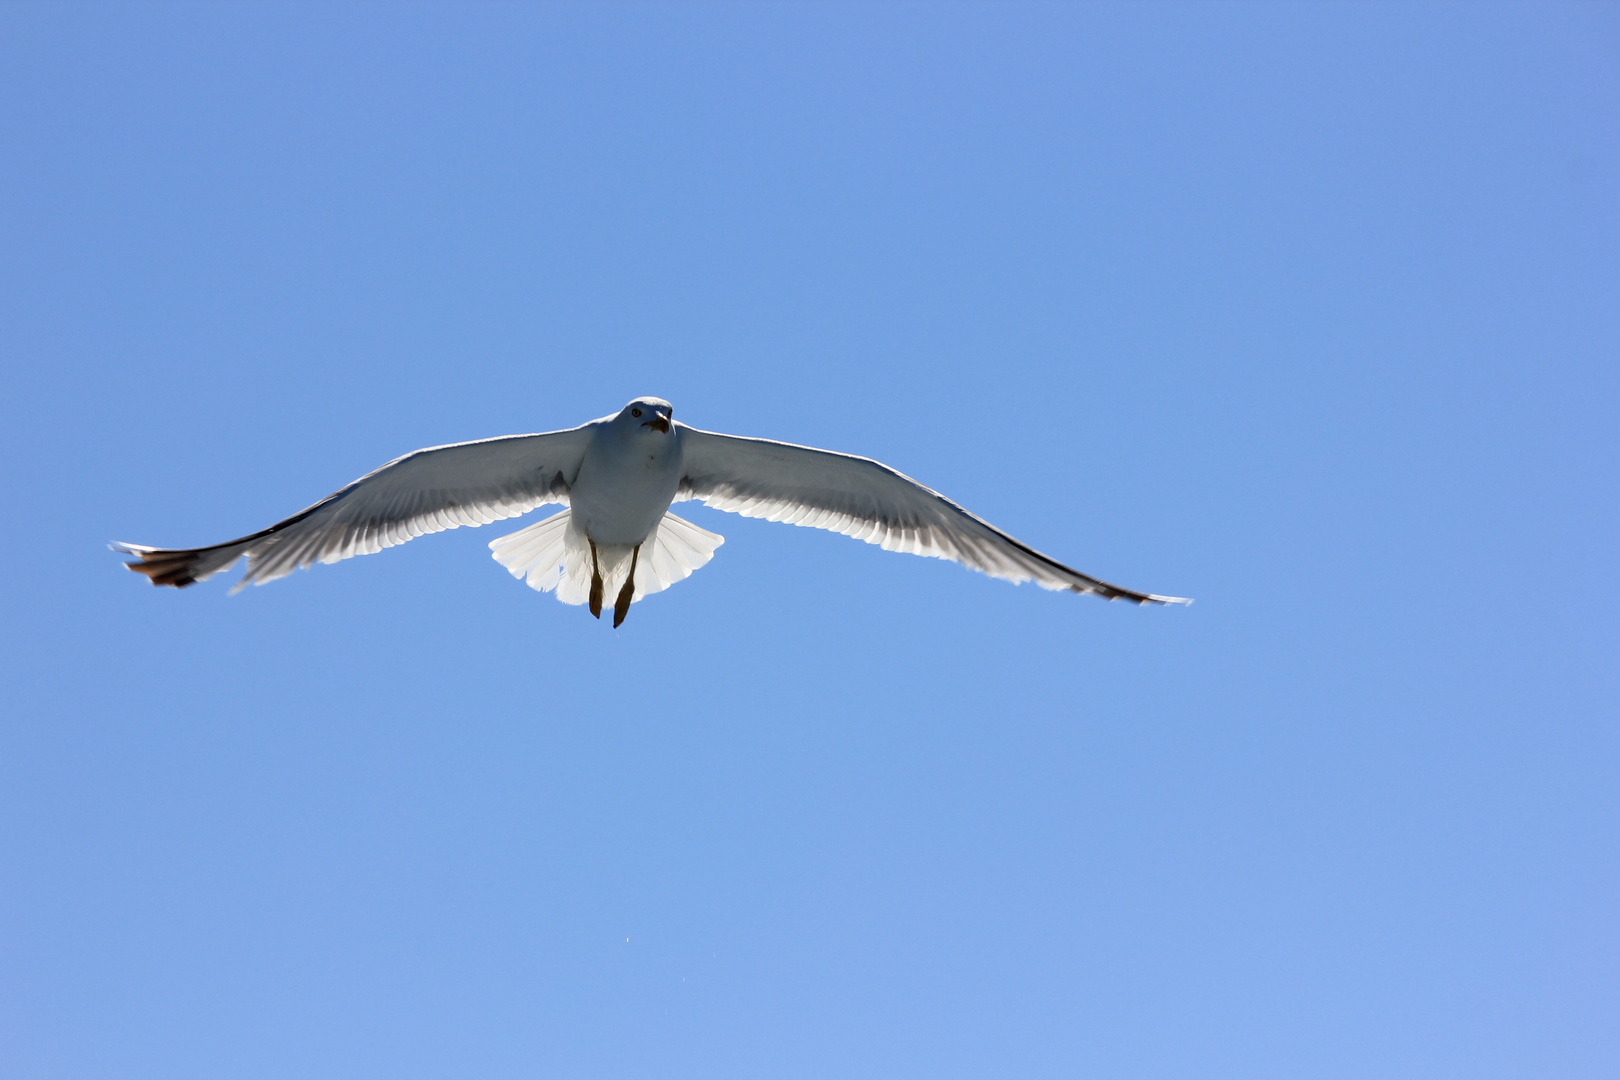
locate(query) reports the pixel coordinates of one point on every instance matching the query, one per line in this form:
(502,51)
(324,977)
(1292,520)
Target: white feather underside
(554,556)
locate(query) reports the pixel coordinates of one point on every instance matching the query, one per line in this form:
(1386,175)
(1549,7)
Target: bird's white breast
(625,484)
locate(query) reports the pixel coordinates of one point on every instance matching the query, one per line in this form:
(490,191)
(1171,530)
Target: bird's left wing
(868,500)
(428,491)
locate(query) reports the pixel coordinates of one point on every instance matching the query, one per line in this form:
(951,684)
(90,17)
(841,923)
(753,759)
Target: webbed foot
(621,607)
(596,583)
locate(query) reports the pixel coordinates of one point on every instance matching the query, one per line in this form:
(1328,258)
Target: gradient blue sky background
(1307,312)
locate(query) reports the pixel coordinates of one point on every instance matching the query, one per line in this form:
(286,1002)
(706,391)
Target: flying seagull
(618,476)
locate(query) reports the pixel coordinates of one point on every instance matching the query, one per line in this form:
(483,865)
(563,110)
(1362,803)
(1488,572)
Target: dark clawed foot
(596,584)
(621,607)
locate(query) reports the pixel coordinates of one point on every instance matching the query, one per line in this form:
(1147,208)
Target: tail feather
(553,556)
(677,549)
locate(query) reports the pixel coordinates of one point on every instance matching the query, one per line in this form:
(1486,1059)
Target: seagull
(618,476)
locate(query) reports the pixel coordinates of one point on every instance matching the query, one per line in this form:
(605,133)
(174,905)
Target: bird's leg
(621,607)
(596,581)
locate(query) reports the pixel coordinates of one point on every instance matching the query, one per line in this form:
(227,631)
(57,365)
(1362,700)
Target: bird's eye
(635,412)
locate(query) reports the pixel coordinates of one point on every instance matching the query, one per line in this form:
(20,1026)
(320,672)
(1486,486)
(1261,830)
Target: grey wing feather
(428,491)
(868,500)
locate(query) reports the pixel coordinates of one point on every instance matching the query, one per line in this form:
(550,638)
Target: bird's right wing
(866,499)
(428,491)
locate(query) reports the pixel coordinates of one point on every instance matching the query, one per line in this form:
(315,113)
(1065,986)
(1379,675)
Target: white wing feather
(428,491)
(868,500)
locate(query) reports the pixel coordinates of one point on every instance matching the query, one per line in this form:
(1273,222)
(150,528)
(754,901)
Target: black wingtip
(1114,592)
(161,566)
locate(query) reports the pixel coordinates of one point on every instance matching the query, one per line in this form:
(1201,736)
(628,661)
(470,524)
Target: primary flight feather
(618,477)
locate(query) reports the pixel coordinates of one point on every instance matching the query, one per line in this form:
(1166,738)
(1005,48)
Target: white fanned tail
(553,556)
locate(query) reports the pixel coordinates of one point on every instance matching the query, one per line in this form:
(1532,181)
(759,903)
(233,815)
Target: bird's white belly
(624,486)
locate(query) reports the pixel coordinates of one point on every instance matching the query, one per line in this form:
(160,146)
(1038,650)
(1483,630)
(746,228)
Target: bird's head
(647,414)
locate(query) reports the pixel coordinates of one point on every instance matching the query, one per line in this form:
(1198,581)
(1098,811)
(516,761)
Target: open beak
(660,422)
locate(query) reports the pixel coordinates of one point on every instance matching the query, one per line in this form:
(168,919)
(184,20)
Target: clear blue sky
(1308,312)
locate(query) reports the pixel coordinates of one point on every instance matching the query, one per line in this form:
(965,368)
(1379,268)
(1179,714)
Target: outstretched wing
(442,487)
(868,500)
